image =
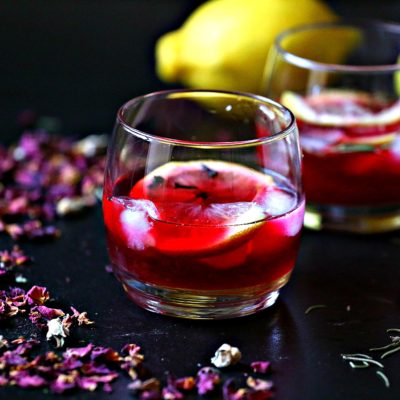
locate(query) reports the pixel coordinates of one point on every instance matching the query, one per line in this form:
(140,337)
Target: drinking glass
(342,82)
(203,203)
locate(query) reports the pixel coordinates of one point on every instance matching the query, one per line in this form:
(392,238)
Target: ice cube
(237,213)
(278,202)
(136,223)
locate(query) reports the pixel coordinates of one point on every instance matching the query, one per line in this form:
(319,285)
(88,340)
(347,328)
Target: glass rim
(288,130)
(307,63)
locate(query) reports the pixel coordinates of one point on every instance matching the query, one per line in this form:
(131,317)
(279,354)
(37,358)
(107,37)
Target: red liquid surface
(351,165)
(167,243)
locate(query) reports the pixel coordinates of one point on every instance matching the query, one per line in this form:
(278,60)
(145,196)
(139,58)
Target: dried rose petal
(150,395)
(64,382)
(93,368)
(3,381)
(81,318)
(87,384)
(259,384)
(185,383)
(44,173)
(7,310)
(171,393)
(151,384)
(105,353)
(107,388)
(79,352)
(230,392)
(108,268)
(10,358)
(207,379)
(70,364)
(47,312)
(24,380)
(37,295)
(260,366)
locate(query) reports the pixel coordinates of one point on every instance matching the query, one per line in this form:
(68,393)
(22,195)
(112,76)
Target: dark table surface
(66,59)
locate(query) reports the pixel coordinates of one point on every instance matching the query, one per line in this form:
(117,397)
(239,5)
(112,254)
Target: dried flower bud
(91,145)
(226,355)
(57,330)
(72,205)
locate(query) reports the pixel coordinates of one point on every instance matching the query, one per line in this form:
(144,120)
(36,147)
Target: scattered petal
(207,380)
(37,295)
(260,366)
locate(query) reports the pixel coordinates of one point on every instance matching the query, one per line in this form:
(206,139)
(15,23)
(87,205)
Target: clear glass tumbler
(203,203)
(342,82)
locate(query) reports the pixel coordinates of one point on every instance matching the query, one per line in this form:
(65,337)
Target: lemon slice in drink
(340,108)
(204,207)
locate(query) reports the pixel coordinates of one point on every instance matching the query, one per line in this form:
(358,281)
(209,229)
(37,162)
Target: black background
(79,61)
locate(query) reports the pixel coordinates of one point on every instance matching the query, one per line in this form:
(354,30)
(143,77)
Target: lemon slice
(307,110)
(204,206)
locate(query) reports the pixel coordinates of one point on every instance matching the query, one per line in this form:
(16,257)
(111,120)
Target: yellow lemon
(224,43)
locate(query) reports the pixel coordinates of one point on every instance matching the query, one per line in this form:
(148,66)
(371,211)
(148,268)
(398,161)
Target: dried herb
(354,147)
(202,195)
(178,185)
(360,360)
(384,378)
(210,172)
(157,182)
(314,307)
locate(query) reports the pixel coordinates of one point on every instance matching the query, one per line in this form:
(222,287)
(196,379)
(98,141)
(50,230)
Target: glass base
(202,304)
(353,219)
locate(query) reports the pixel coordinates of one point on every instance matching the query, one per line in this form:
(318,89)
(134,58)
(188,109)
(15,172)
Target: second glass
(342,82)
(203,203)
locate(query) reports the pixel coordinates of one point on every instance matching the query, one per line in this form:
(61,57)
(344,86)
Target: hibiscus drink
(341,80)
(351,146)
(197,229)
(203,203)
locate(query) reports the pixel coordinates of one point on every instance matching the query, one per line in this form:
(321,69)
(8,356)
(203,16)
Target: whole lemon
(224,43)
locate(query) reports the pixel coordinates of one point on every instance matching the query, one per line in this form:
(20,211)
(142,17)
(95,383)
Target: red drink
(203,225)
(351,145)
